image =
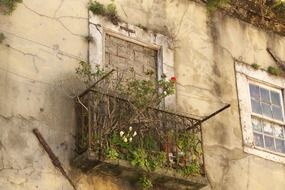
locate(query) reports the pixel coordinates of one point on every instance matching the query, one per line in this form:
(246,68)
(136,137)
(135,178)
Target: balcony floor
(162,178)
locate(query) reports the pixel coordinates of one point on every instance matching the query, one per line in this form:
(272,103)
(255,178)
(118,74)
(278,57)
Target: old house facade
(210,54)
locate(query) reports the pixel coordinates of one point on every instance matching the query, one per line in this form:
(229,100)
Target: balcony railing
(112,130)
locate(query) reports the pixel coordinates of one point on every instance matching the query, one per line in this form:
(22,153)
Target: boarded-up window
(123,55)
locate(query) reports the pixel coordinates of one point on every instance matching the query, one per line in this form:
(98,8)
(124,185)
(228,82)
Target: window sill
(266,154)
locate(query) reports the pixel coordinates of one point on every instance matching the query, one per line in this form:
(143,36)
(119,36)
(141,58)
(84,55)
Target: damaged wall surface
(45,40)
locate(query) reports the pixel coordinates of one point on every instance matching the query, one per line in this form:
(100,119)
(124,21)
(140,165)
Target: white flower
(125,139)
(130,128)
(130,139)
(121,133)
(135,133)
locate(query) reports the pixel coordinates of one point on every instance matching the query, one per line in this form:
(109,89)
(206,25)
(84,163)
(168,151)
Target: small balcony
(115,137)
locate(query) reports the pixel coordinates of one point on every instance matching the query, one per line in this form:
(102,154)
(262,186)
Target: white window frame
(279,91)
(99,27)
(245,75)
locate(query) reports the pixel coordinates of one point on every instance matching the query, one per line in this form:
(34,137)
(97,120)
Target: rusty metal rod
(54,159)
(209,116)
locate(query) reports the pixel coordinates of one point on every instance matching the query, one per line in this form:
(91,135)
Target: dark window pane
(267,128)
(266,110)
(256,108)
(275,98)
(280,145)
(269,143)
(277,113)
(254,91)
(256,125)
(278,131)
(265,97)
(258,139)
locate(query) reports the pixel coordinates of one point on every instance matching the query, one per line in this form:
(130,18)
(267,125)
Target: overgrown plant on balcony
(128,124)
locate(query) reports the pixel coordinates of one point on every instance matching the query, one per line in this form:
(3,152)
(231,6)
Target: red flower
(173,79)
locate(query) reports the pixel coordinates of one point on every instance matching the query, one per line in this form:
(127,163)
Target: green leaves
(145,182)
(146,93)
(112,154)
(8,6)
(193,168)
(85,72)
(2,37)
(215,4)
(97,8)
(274,71)
(110,10)
(139,158)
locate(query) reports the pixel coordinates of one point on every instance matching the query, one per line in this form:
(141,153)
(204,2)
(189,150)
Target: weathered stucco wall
(44,43)
(46,39)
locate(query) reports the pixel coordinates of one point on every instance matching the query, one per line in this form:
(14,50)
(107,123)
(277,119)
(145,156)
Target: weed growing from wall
(274,71)
(215,4)
(255,66)
(8,6)
(2,37)
(109,11)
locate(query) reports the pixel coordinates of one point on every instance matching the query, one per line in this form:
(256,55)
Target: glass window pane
(277,113)
(256,108)
(269,143)
(267,128)
(266,110)
(264,94)
(258,139)
(254,91)
(256,125)
(280,145)
(279,131)
(275,98)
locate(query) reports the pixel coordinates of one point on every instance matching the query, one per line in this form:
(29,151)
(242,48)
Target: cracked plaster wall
(45,41)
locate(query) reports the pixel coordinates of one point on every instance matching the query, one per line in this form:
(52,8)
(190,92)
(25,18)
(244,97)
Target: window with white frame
(261,106)
(267,117)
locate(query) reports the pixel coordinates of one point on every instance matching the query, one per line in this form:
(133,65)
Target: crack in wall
(59,7)
(59,51)
(57,19)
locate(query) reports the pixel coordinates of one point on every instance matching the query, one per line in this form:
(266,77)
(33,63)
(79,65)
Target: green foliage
(139,158)
(150,142)
(110,10)
(2,37)
(144,93)
(145,182)
(8,6)
(97,8)
(187,141)
(215,4)
(85,72)
(274,71)
(112,154)
(278,3)
(255,66)
(193,168)
(156,160)
(141,92)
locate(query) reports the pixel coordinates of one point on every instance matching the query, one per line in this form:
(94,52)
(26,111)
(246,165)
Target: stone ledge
(166,178)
